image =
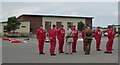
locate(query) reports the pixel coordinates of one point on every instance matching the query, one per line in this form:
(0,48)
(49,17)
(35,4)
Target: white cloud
(27,10)
(19,11)
(104,12)
(115,13)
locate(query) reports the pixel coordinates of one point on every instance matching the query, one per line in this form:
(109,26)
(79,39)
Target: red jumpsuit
(41,36)
(60,36)
(98,35)
(83,35)
(109,44)
(75,38)
(52,37)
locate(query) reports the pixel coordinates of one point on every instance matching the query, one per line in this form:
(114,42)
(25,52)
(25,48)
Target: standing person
(98,35)
(69,40)
(60,36)
(52,37)
(75,38)
(111,36)
(83,35)
(41,35)
(88,40)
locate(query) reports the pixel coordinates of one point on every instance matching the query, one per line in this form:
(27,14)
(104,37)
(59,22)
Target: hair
(54,26)
(98,27)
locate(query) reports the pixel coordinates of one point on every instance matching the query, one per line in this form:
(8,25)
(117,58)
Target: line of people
(71,37)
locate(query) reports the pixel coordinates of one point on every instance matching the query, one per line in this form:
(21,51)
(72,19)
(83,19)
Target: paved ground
(28,53)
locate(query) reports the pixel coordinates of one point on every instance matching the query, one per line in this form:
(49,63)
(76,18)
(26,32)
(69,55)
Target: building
(1,29)
(116,28)
(24,27)
(48,20)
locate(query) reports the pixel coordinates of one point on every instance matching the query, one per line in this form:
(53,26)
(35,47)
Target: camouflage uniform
(88,40)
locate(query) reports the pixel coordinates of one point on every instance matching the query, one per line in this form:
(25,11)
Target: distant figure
(69,41)
(111,36)
(75,38)
(88,40)
(41,36)
(98,35)
(60,36)
(52,37)
(31,34)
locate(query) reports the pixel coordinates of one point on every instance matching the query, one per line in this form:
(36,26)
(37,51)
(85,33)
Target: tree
(80,26)
(12,24)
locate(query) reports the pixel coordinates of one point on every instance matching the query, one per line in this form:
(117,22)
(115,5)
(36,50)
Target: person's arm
(82,34)
(109,34)
(44,35)
(49,34)
(37,33)
(95,34)
(67,34)
(58,32)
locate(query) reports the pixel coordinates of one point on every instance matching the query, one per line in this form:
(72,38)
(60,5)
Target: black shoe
(87,53)
(112,49)
(67,53)
(74,52)
(53,54)
(42,53)
(70,53)
(99,50)
(61,52)
(108,52)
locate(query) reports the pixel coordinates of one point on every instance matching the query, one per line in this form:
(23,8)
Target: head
(62,26)
(110,27)
(88,28)
(98,28)
(54,26)
(41,26)
(68,27)
(73,27)
(84,27)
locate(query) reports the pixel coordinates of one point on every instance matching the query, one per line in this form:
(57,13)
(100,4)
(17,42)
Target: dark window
(58,24)
(23,26)
(88,23)
(47,26)
(69,23)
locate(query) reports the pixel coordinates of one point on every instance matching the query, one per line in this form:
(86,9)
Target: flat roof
(52,15)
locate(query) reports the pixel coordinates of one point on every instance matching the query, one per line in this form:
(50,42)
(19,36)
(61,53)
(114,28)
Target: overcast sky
(104,13)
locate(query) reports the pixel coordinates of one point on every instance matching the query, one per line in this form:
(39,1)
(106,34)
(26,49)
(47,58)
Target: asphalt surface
(28,53)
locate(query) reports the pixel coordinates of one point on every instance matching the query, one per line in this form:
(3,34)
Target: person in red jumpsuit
(41,36)
(52,37)
(83,35)
(75,38)
(111,36)
(60,36)
(98,35)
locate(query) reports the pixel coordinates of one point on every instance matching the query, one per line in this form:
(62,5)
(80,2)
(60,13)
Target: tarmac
(28,53)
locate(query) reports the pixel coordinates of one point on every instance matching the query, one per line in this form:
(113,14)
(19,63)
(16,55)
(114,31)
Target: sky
(104,13)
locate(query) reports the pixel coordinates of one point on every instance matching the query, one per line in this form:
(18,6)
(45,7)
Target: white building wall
(25,29)
(1,29)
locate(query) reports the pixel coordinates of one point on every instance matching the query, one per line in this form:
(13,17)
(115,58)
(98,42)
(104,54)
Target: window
(58,24)
(47,26)
(23,26)
(69,23)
